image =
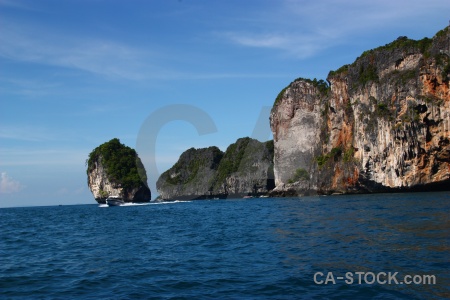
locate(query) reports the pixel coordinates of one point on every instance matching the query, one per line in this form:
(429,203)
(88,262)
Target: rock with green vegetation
(381,123)
(246,168)
(114,169)
(192,175)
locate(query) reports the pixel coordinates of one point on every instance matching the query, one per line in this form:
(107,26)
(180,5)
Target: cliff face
(296,124)
(245,168)
(382,123)
(191,176)
(114,169)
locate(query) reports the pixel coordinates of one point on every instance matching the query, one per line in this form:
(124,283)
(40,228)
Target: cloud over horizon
(8,185)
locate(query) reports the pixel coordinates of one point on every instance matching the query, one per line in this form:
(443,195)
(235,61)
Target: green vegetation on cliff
(403,42)
(381,126)
(245,167)
(321,85)
(191,162)
(341,70)
(334,154)
(232,159)
(300,174)
(122,164)
(365,69)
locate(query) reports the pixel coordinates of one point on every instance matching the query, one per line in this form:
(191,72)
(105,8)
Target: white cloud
(14,4)
(107,58)
(265,40)
(28,87)
(300,45)
(8,185)
(26,133)
(43,157)
(99,56)
(303,28)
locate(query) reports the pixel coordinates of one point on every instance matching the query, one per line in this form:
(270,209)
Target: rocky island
(114,169)
(245,168)
(379,124)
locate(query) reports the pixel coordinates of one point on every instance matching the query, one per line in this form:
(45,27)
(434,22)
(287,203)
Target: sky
(164,76)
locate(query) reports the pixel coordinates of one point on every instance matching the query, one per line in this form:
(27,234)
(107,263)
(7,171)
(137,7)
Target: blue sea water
(228,249)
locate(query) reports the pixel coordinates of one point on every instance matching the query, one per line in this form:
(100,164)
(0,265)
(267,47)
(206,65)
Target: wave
(147,203)
(169,202)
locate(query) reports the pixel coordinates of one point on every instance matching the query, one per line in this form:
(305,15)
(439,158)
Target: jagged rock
(245,168)
(114,169)
(382,123)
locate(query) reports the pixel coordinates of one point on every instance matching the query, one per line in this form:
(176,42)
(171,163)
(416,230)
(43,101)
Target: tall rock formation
(114,169)
(246,168)
(379,124)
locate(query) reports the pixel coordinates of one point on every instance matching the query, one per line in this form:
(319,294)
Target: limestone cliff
(114,169)
(379,124)
(244,169)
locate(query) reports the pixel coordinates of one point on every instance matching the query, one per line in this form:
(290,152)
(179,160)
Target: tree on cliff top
(121,162)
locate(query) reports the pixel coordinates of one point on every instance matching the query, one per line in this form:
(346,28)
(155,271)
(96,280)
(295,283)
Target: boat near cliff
(114,201)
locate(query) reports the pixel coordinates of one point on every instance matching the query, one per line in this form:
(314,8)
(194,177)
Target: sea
(378,246)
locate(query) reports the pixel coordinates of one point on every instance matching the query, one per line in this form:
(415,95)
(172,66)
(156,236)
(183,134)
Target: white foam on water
(134,204)
(169,202)
(147,203)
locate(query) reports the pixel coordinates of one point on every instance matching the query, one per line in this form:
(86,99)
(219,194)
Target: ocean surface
(266,248)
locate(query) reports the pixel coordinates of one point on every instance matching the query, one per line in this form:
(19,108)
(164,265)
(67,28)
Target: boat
(114,201)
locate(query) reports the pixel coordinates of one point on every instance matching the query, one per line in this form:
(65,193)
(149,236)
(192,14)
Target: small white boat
(114,201)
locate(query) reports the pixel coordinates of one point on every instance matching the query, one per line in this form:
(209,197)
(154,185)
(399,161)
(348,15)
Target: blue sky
(75,74)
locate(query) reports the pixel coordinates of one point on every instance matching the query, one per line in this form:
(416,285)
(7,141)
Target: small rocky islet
(114,169)
(380,124)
